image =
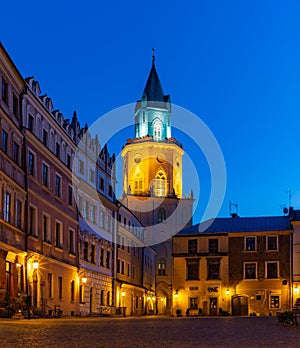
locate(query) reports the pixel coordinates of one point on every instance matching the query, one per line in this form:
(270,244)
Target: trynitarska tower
(152,181)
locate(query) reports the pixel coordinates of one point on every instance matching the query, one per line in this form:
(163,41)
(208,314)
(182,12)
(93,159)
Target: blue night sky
(235,64)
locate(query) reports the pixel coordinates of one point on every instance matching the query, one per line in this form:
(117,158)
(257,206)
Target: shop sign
(213,289)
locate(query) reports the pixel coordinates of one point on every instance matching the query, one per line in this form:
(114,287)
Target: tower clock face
(161,158)
(137,158)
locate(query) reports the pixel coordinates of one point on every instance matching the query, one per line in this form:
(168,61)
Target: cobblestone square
(148,332)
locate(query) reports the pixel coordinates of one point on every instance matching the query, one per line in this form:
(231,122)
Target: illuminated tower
(152,180)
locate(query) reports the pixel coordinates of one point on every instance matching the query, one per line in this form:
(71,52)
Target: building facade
(245,266)
(13,195)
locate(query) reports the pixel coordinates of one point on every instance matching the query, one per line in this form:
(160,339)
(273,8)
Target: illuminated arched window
(160,188)
(162,267)
(161,215)
(157,130)
(137,184)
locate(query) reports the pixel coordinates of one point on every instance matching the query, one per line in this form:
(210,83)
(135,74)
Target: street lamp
(84,280)
(227,292)
(35,265)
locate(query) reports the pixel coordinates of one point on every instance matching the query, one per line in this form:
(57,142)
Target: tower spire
(153,56)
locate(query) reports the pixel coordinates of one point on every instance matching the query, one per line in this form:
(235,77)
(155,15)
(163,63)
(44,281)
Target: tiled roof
(240,224)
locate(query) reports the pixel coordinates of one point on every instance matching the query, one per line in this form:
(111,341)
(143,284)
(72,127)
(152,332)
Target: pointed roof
(153,90)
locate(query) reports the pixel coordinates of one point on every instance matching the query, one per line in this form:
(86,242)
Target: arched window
(157,130)
(108,298)
(161,215)
(160,184)
(137,186)
(162,267)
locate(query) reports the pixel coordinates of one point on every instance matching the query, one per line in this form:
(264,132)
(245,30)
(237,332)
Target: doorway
(240,306)
(213,306)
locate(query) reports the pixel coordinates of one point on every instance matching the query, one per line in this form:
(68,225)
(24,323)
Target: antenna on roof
(289,192)
(233,209)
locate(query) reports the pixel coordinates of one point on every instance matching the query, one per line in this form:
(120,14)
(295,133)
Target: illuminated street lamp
(296,290)
(84,280)
(227,292)
(123,293)
(176,295)
(35,265)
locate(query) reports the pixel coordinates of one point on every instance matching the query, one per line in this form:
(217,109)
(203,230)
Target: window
(118,265)
(213,269)
(101,218)
(60,288)
(275,301)
(157,130)
(160,184)
(46,228)
(57,150)
(86,209)
(93,248)
(102,297)
(108,298)
(93,213)
(192,269)
(58,185)
(250,243)
(58,235)
(250,271)
(108,259)
(45,137)
(101,260)
(32,221)
(50,285)
(128,269)
(110,190)
(81,293)
(107,225)
(192,245)
(16,153)
(30,122)
(70,195)
(213,246)
(7,201)
(123,267)
(31,163)
(272,270)
(271,242)
(18,213)
(4,91)
(92,175)
(4,141)
(162,267)
(15,105)
(102,184)
(81,166)
(71,241)
(161,215)
(133,272)
(45,171)
(68,161)
(72,290)
(86,251)
(193,303)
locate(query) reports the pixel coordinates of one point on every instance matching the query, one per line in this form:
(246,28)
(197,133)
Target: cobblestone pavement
(148,332)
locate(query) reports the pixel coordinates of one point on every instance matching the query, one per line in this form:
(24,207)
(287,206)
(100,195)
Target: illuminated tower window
(157,130)
(160,185)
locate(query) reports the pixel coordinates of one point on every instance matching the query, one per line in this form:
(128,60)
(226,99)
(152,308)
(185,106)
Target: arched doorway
(240,305)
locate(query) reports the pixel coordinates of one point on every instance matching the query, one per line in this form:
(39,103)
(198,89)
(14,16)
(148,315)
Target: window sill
(47,242)
(72,254)
(58,248)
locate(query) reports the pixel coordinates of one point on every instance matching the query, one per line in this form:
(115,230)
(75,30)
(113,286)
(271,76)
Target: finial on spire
(153,56)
